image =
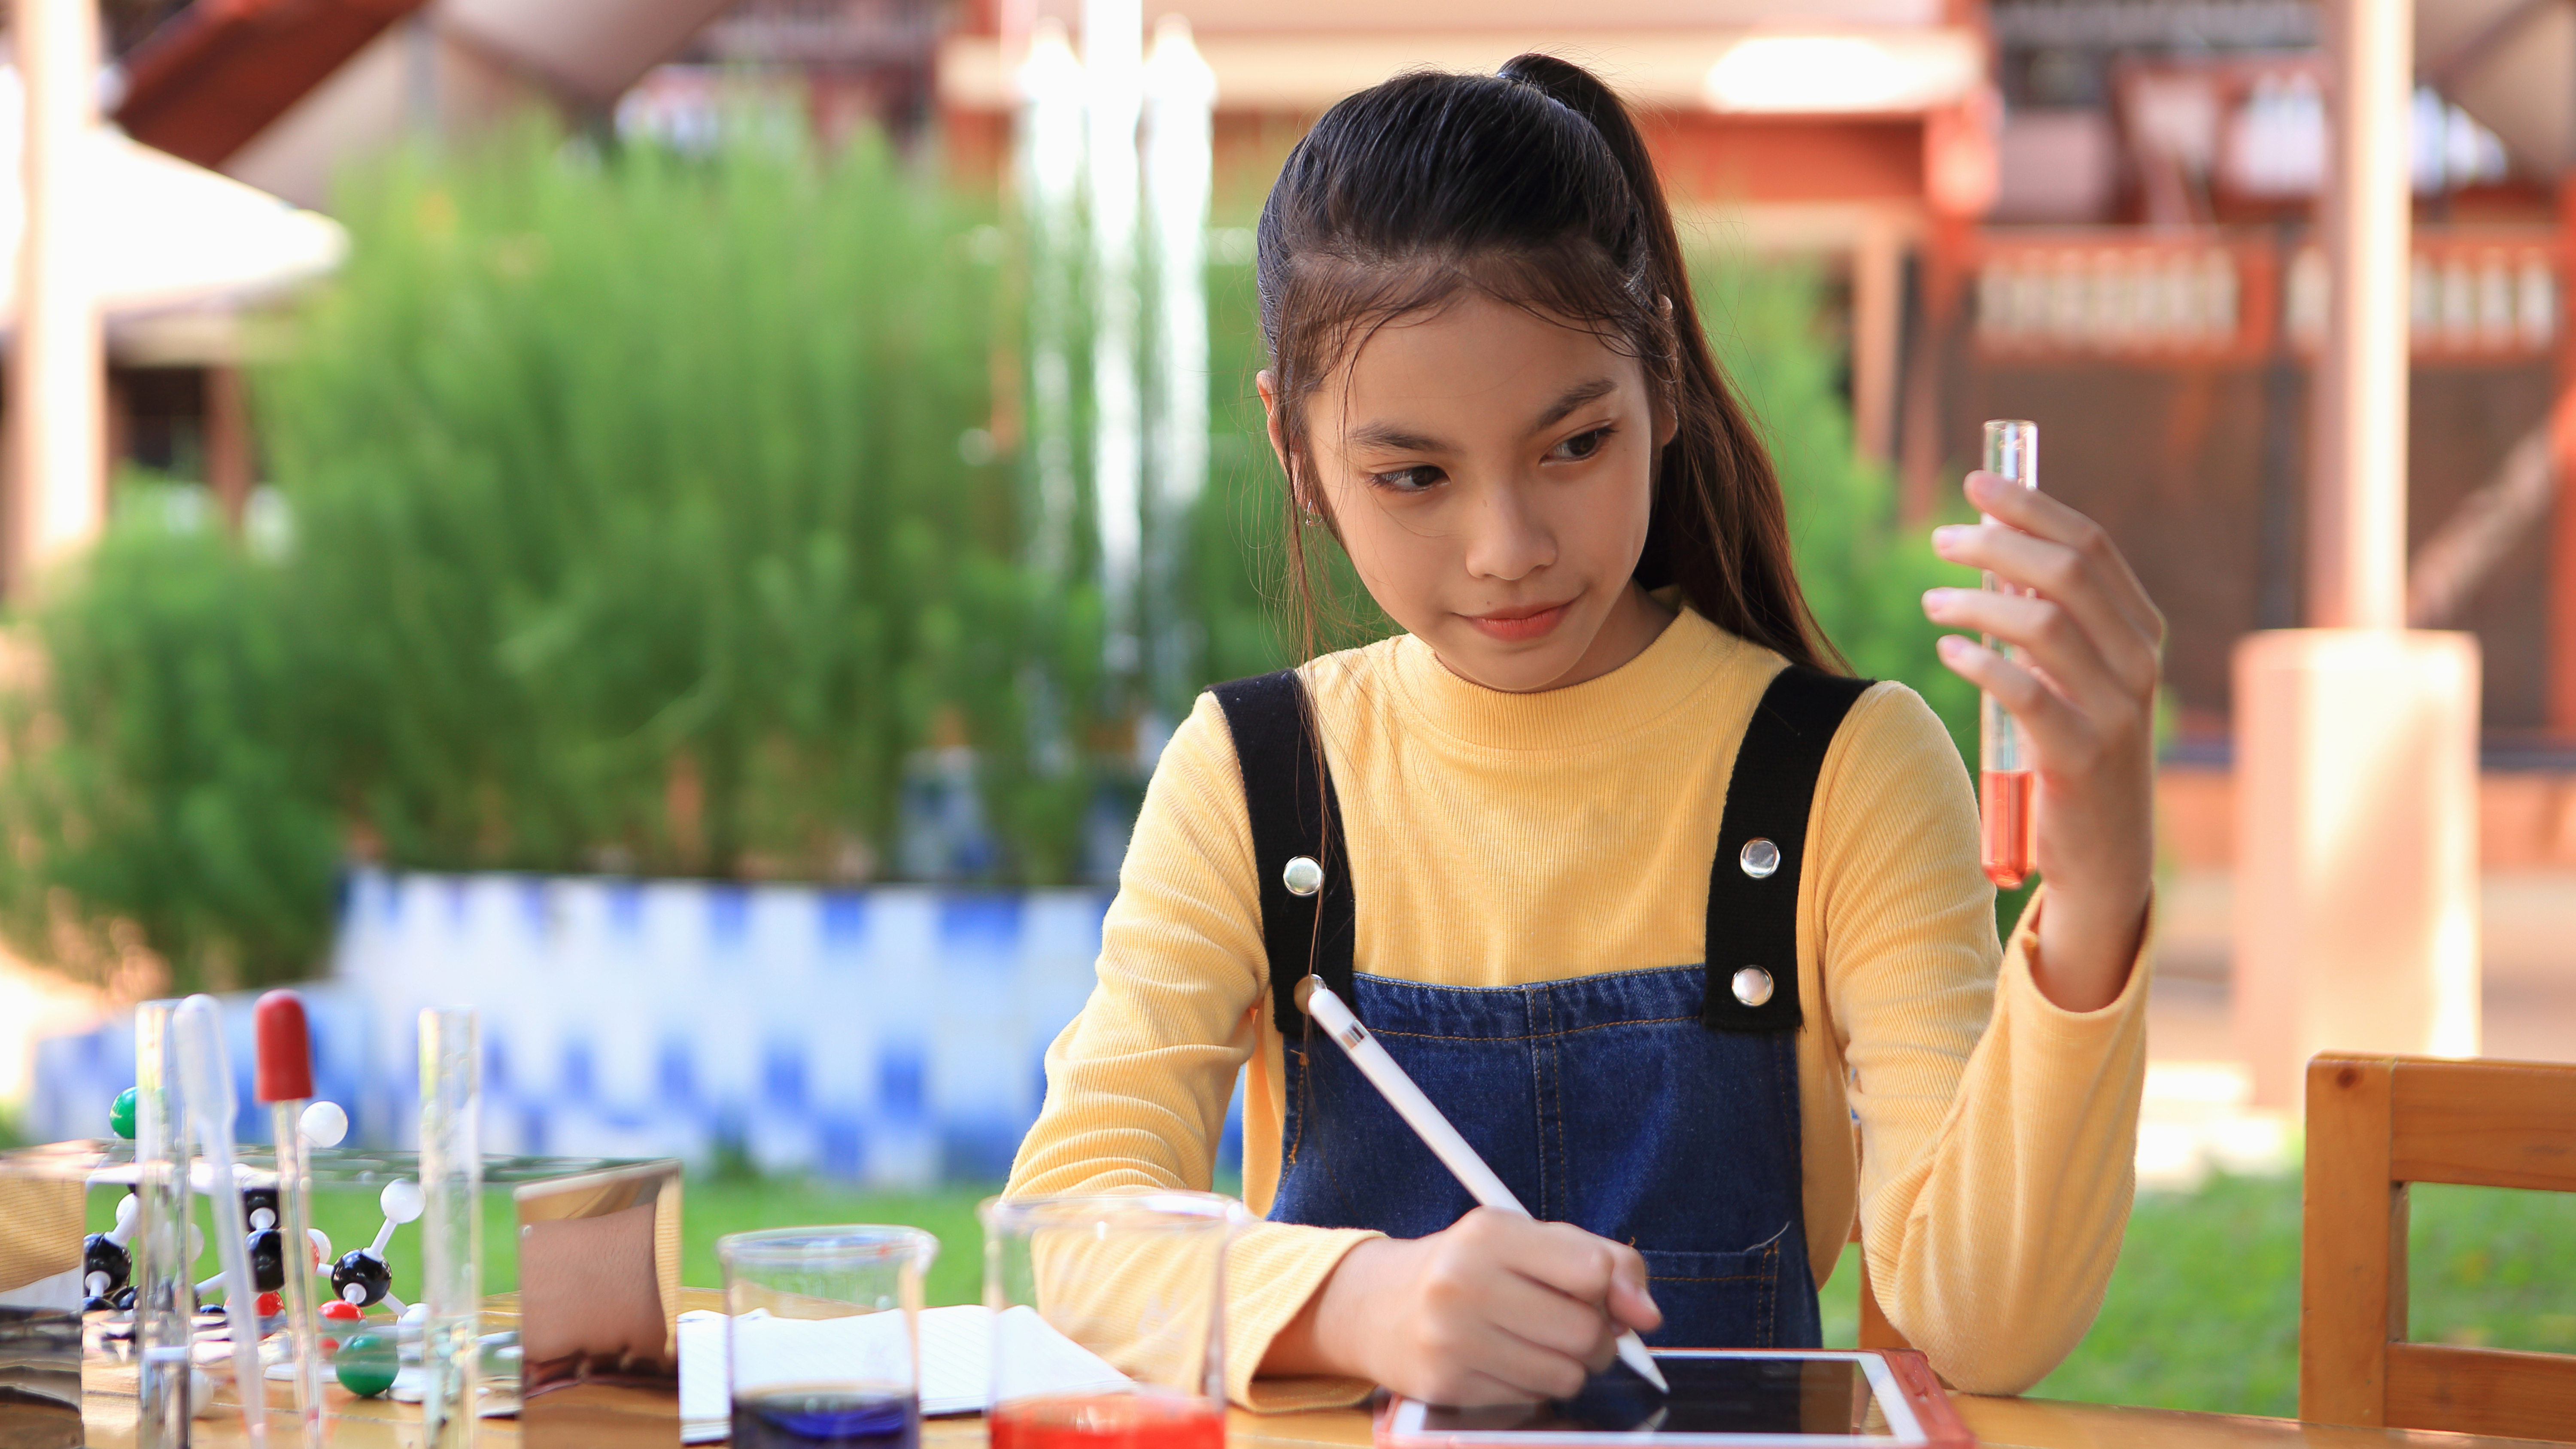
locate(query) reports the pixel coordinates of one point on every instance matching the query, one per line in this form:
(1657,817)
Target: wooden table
(109,1414)
(1998,1424)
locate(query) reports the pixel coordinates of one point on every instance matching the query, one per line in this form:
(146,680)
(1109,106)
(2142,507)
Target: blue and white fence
(890,1035)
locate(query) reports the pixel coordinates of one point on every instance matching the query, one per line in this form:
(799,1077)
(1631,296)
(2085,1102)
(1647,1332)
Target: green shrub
(631,528)
(634,494)
(162,788)
(1863,571)
(628,523)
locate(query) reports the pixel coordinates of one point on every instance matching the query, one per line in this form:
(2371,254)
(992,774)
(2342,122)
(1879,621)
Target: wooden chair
(2375,1125)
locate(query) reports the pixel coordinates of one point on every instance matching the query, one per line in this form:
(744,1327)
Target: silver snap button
(1759,858)
(1303,877)
(1752,986)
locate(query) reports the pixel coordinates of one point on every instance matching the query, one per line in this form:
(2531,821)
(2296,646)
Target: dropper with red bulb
(285,1083)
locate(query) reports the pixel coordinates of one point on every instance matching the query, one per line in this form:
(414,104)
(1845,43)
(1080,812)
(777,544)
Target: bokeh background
(685,525)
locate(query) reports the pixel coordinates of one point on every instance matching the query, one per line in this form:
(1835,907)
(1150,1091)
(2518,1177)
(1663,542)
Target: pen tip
(1632,1351)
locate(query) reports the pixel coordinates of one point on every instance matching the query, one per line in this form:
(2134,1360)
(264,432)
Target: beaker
(822,1337)
(1108,1328)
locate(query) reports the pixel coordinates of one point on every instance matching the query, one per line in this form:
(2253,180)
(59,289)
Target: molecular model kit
(167,1274)
(365,1355)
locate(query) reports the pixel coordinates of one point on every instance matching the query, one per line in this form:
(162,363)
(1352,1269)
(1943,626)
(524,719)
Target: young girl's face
(1490,473)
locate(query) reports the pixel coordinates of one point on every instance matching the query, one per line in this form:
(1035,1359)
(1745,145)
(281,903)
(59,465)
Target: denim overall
(1656,1107)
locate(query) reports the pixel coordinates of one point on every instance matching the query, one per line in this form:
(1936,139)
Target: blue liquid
(820,1417)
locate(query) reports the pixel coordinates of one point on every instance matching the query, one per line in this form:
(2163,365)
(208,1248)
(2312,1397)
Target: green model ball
(366,1364)
(120,1115)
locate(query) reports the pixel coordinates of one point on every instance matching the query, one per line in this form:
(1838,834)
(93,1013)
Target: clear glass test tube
(295,1233)
(451,1180)
(165,1305)
(2007,793)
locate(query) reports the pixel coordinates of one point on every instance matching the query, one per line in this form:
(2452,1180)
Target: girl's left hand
(2085,696)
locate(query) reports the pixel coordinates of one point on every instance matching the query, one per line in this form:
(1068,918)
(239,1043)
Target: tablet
(1721,1399)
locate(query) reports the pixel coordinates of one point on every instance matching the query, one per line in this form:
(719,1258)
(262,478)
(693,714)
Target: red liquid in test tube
(2008,833)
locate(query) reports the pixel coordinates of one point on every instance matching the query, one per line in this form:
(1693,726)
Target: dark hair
(1532,187)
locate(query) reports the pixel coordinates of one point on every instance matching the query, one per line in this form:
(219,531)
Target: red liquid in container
(1109,1421)
(2008,826)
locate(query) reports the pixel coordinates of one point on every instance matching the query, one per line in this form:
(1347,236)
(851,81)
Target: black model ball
(362,1278)
(268,1259)
(105,1265)
(259,1208)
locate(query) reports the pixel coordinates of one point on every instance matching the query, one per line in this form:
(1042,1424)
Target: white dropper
(206,1083)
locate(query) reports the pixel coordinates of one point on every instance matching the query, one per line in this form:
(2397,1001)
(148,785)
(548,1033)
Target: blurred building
(2147,282)
(2095,213)
(283,95)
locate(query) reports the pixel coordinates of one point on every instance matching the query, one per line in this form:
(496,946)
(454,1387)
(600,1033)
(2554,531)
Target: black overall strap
(1288,792)
(1753,884)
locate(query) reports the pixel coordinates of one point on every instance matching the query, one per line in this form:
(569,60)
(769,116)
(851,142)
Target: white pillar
(2357,492)
(1047,155)
(1113,55)
(58,383)
(1180,103)
(2356,741)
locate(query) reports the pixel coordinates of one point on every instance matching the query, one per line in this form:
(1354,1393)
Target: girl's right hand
(1496,1309)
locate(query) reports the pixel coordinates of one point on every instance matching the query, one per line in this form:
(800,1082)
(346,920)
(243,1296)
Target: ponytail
(1535,187)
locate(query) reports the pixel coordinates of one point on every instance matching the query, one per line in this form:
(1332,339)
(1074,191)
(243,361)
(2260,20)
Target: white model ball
(201,1394)
(324,1124)
(401,1200)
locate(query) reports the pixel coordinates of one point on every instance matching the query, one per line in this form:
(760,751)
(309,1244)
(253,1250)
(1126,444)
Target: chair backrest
(2375,1125)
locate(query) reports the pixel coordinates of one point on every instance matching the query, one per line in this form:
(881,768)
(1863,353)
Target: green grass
(2202,1312)
(713,1207)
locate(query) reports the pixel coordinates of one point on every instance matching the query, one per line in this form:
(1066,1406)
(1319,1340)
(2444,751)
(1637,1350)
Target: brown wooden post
(230,470)
(1877,332)
(2352,1253)
(2562,531)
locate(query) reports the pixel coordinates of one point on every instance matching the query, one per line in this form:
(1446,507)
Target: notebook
(956,1361)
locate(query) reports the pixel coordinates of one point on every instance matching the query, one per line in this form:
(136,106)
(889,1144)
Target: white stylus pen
(1318,1001)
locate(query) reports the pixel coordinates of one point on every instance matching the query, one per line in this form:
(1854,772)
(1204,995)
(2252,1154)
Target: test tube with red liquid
(2008,826)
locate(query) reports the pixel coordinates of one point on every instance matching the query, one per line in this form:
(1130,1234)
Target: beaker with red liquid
(2007,792)
(1136,1280)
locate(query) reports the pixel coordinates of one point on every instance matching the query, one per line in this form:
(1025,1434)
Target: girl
(1655,907)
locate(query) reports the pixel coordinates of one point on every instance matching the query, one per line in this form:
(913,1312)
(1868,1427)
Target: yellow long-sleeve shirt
(1501,839)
